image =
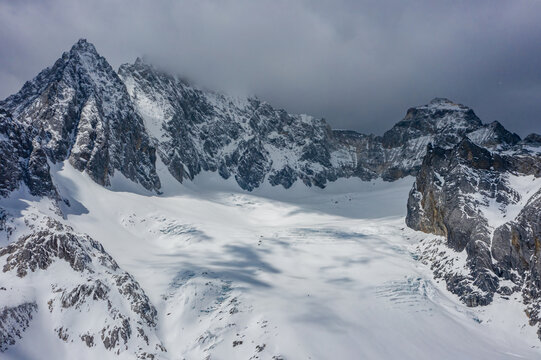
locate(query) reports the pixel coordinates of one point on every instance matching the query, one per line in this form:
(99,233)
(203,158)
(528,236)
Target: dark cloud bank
(359,64)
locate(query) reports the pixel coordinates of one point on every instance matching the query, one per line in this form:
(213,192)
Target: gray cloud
(359,64)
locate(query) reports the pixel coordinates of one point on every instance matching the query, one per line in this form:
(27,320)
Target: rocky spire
(80,110)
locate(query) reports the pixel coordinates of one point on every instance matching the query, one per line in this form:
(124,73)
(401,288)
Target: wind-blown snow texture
(143,217)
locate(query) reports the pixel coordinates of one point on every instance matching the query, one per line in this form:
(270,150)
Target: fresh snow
(498,213)
(303,273)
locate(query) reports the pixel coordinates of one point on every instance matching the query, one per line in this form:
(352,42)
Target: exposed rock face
(245,138)
(80,109)
(198,131)
(440,122)
(92,282)
(532,139)
(494,136)
(488,205)
(23,161)
(13,146)
(476,184)
(516,249)
(13,322)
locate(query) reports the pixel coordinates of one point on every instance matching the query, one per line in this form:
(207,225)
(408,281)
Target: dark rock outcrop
(101,285)
(82,111)
(23,160)
(14,320)
(469,194)
(79,109)
(199,130)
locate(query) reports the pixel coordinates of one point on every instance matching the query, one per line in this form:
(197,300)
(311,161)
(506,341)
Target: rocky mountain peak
(84,58)
(440,107)
(138,62)
(494,136)
(444,103)
(83,46)
(102,121)
(533,139)
(441,121)
(80,110)
(482,195)
(441,100)
(477,185)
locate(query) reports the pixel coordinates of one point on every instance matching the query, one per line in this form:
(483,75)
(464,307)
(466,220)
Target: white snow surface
(303,273)
(497,214)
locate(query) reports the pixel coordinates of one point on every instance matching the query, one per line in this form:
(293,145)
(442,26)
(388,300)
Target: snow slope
(303,273)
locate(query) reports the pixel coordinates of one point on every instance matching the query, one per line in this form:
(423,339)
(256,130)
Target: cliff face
(477,185)
(245,138)
(485,203)
(79,109)
(198,130)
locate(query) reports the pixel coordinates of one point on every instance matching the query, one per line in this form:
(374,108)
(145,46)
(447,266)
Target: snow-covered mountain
(143,217)
(89,298)
(248,139)
(79,109)
(486,204)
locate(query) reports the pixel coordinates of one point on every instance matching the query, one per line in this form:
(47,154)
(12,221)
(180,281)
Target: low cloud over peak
(358,64)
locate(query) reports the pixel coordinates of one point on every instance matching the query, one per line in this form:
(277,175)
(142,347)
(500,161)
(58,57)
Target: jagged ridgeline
(476,184)
(80,109)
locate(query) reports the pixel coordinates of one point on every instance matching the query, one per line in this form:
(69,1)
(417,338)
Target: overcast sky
(359,64)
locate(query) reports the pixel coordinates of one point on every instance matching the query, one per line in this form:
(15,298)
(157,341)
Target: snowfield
(302,273)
